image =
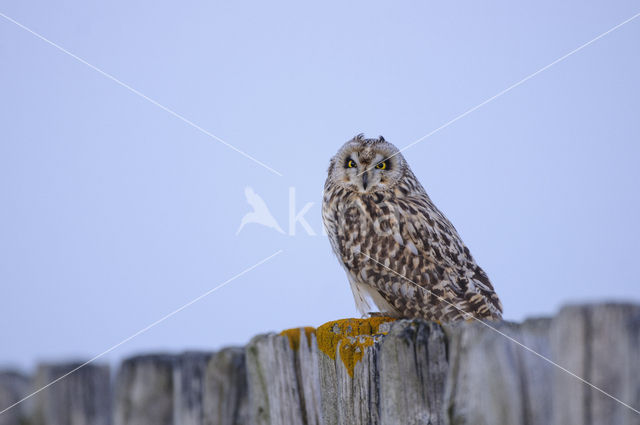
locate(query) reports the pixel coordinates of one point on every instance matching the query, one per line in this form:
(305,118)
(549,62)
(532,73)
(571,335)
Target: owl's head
(367,165)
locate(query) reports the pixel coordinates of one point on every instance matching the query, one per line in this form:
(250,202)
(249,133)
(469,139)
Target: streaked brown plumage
(398,249)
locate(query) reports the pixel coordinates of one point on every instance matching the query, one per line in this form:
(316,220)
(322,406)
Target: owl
(398,250)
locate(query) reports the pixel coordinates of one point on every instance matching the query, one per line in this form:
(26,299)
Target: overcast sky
(114,212)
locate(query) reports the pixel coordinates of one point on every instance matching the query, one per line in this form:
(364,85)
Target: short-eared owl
(397,248)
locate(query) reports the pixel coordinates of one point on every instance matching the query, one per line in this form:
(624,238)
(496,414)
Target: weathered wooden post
(189,378)
(144,391)
(600,343)
(225,388)
(81,398)
(14,386)
(350,371)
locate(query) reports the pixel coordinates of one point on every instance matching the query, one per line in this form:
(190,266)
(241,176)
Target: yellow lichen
(294,336)
(348,336)
(352,350)
(352,336)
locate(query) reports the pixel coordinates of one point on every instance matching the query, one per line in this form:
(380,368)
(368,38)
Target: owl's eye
(351,163)
(381,165)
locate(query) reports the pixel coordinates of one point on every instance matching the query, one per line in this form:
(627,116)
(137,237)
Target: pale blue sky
(114,213)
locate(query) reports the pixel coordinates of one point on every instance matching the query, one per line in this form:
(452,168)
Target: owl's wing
(429,251)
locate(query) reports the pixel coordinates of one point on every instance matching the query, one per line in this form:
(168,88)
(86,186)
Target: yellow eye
(351,164)
(382,165)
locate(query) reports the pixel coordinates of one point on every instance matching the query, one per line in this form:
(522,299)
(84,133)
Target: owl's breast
(359,225)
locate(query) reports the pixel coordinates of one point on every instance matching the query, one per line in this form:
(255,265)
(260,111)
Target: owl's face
(367,165)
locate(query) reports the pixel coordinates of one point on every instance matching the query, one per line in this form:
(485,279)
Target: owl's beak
(365,180)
